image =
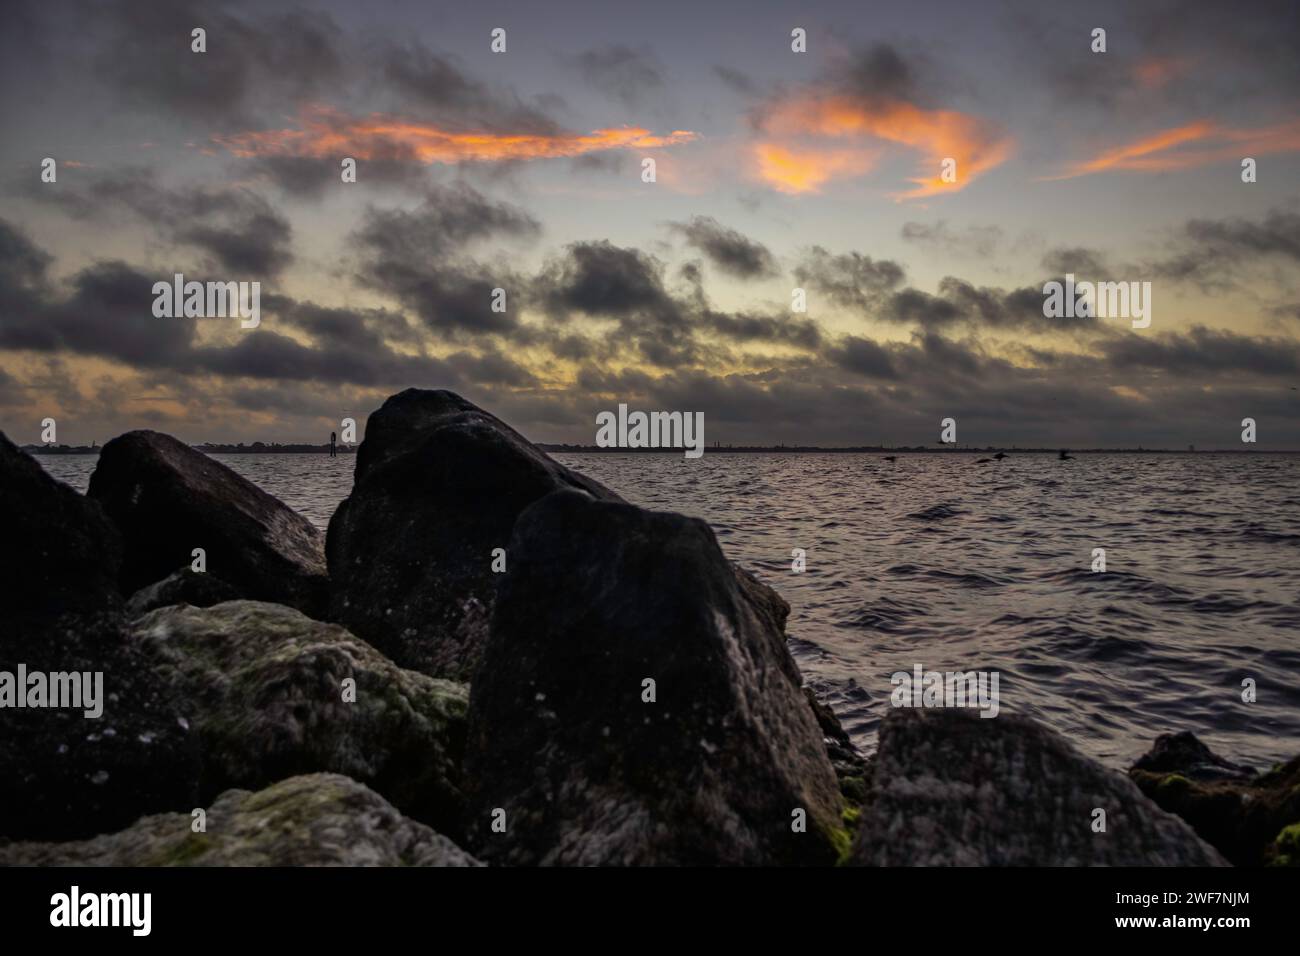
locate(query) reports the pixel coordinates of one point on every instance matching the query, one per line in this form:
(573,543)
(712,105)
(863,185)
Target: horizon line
(261,447)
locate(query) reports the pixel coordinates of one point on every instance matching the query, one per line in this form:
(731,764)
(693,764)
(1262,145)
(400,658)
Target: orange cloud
(1210,142)
(797,171)
(323,132)
(789,159)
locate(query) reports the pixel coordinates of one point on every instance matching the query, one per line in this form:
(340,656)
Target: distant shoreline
(265,449)
(915,450)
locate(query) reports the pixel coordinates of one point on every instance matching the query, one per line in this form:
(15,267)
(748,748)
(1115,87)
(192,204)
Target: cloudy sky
(775,170)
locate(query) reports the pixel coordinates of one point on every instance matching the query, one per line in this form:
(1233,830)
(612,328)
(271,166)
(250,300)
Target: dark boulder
(952,788)
(186,586)
(600,597)
(61,554)
(167,499)
(63,774)
(1183,753)
(1252,819)
(438,485)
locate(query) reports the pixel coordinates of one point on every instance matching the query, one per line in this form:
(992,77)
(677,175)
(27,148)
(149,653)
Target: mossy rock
(1243,818)
(310,820)
(1285,850)
(264,686)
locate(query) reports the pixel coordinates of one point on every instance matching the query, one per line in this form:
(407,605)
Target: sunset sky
(776,170)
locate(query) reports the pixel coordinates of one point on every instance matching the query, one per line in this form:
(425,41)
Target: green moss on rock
(310,820)
(1174,783)
(264,691)
(1285,850)
(1241,816)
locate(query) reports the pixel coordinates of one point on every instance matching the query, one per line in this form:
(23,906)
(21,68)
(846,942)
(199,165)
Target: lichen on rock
(265,693)
(310,820)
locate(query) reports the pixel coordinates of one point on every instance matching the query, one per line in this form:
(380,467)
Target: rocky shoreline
(491,658)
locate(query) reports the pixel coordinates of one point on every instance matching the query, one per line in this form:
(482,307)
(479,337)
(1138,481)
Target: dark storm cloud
(778,329)
(418,257)
(627,73)
(264,354)
(929,359)
(294,399)
(835,390)
(870,287)
(95,194)
(977,241)
(490,368)
(880,72)
(914,307)
(934,354)
(1087,264)
(262,65)
(602,280)
(436,86)
(1020,308)
(1209,252)
(850,280)
(871,77)
(451,300)
(349,346)
(612,163)
(652,324)
(733,253)
(897,392)
(238,228)
(1202,351)
(310,177)
(736,80)
(369,329)
(23,269)
(601,381)
(108,313)
(252,56)
(257,247)
(1156,53)
(450,218)
(864,357)
(1254,45)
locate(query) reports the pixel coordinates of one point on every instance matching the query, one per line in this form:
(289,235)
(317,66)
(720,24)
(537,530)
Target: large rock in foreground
(315,820)
(63,774)
(1252,819)
(264,687)
(601,597)
(438,485)
(167,499)
(954,789)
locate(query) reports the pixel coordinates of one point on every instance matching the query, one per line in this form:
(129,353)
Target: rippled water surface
(940,561)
